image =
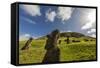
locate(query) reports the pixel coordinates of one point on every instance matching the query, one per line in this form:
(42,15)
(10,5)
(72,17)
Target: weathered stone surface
(53,52)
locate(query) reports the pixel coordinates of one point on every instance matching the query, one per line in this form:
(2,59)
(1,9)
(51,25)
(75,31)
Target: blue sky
(36,20)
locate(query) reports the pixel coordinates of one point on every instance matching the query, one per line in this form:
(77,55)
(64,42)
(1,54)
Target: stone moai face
(52,39)
(55,36)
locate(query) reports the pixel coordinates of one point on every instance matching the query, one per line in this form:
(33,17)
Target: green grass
(75,51)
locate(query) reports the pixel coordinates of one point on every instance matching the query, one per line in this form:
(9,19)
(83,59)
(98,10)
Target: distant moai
(86,40)
(26,46)
(59,41)
(68,41)
(53,52)
(75,40)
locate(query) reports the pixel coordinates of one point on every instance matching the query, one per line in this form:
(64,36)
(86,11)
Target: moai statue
(53,52)
(26,46)
(55,36)
(49,43)
(59,41)
(68,41)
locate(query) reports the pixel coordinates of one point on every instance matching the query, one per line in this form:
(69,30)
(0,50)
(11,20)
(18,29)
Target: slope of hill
(70,34)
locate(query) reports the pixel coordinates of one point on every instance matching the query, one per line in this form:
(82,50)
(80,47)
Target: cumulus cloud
(24,37)
(87,26)
(33,10)
(89,19)
(50,15)
(93,35)
(91,31)
(69,31)
(64,13)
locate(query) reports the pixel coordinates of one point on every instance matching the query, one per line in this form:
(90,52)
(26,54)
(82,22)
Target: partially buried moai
(26,46)
(53,52)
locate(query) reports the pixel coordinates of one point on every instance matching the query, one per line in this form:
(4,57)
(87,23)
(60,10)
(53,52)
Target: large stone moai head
(55,36)
(52,39)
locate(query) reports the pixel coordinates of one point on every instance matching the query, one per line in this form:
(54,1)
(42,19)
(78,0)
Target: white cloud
(64,13)
(89,32)
(50,15)
(87,26)
(69,31)
(93,35)
(31,21)
(89,19)
(24,37)
(65,31)
(33,10)
(92,31)
(28,20)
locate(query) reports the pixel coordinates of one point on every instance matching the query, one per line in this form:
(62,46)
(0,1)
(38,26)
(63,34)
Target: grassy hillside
(74,51)
(71,34)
